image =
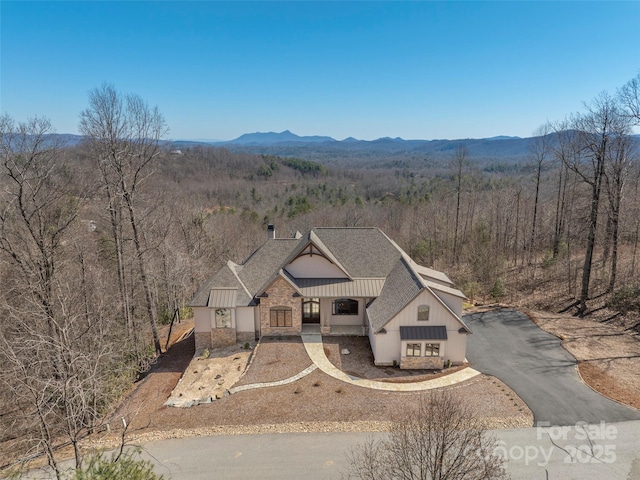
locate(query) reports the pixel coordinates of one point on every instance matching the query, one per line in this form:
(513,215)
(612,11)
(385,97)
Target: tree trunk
(143,278)
(591,239)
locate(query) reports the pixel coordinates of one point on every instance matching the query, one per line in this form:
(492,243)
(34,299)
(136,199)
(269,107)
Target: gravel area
(359,362)
(276,358)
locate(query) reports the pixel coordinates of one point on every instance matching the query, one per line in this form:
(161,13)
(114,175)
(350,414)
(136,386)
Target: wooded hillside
(103,241)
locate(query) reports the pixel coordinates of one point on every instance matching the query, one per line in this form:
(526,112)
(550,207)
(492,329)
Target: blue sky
(217,70)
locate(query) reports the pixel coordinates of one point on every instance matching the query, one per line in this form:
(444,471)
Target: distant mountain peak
(503,137)
(273,138)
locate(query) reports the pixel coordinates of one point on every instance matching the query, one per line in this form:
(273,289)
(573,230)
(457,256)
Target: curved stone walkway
(315,350)
(292,379)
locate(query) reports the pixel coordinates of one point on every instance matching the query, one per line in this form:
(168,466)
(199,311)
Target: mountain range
(287,137)
(502,148)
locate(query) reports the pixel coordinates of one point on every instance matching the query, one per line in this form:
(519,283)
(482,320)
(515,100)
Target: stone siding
(431,363)
(203,340)
(281,293)
(243,337)
(223,337)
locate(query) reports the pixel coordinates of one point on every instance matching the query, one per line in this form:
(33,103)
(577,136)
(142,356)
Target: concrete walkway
(315,350)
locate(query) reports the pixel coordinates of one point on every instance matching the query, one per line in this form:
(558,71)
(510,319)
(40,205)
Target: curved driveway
(508,345)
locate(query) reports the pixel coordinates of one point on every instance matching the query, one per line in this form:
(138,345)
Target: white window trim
(422,343)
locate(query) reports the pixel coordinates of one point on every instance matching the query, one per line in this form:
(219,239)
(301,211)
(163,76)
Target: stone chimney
(271,232)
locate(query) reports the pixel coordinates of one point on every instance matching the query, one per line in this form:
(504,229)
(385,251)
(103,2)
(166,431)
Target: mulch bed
(274,359)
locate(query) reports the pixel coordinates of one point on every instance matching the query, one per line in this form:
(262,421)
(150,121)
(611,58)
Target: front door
(311,310)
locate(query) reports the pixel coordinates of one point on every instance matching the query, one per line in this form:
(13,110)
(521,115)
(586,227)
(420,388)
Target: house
(336,281)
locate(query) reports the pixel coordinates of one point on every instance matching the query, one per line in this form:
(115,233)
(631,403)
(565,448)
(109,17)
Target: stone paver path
(292,379)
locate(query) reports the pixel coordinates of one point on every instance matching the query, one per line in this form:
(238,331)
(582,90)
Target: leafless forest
(102,242)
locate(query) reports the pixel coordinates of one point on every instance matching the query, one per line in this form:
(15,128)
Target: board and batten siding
(388,347)
(453,302)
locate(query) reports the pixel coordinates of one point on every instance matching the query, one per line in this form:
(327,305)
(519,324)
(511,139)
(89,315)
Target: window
(413,349)
(432,350)
(280,316)
(223,318)
(345,306)
(423,313)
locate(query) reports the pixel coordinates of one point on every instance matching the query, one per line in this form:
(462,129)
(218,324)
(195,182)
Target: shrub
(441,438)
(626,299)
(128,465)
(497,291)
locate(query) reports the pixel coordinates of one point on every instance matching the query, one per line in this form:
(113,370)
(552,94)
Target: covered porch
(334,330)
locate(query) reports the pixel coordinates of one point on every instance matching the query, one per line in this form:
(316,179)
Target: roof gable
(302,264)
(363,252)
(265,263)
(400,288)
(225,278)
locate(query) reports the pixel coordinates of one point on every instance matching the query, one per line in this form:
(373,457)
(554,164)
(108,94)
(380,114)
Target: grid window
(413,349)
(280,317)
(432,350)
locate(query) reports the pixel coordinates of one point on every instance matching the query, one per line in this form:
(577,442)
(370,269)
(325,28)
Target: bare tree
(593,132)
(620,157)
(459,162)
(441,439)
(58,362)
(124,134)
(629,96)
(540,153)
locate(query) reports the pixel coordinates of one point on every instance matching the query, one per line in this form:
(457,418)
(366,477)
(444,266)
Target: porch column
(325,326)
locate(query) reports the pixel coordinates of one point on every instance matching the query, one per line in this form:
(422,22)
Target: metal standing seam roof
(222,298)
(423,333)
(339,287)
(225,277)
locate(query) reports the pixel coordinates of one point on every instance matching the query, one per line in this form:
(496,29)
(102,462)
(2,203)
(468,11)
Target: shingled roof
(375,264)
(363,252)
(265,262)
(226,277)
(401,287)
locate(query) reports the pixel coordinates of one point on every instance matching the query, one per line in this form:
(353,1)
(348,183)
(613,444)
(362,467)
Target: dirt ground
(209,375)
(316,402)
(608,361)
(608,354)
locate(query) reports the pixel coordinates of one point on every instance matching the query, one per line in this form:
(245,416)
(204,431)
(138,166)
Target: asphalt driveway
(508,345)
